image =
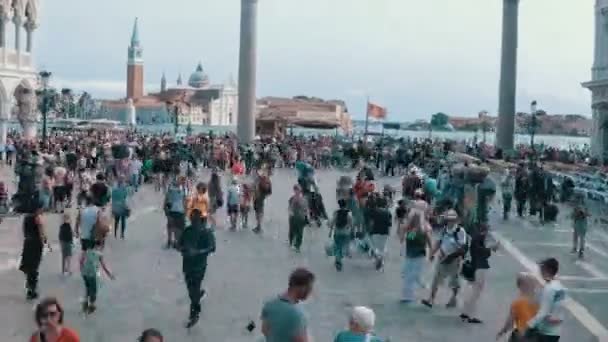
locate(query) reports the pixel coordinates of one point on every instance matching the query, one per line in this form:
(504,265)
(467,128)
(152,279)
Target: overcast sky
(416,57)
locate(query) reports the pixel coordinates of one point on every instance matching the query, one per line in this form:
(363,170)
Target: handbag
(468,271)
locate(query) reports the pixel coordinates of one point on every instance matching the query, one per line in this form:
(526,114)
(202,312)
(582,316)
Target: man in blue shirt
(282,318)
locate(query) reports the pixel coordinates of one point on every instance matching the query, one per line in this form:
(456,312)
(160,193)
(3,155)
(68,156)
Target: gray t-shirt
(284,319)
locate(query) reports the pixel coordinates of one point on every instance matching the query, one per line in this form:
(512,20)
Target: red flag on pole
(375,111)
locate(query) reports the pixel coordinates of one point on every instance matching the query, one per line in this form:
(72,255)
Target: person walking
(120,207)
(479,261)
(545,325)
(135,167)
(90,260)
(381,222)
(245,204)
(196,243)
(34,240)
(451,248)
(361,323)
(198,200)
(86,223)
(507,186)
(66,241)
(233,198)
(282,317)
(50,321)
(216,195)
(341,227)
(580,217)
(298,217)
(415,237)
(522,309)
(175,211)
(521,190)
(263,189)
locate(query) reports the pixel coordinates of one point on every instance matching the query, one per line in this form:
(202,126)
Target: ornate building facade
(599,82)
(18,77)
(197,103)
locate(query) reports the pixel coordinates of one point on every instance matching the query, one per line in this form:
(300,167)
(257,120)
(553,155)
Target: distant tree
(439,119)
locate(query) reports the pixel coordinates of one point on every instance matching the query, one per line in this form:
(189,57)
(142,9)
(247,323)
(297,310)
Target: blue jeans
(410,273)
(341,242)
(135,182)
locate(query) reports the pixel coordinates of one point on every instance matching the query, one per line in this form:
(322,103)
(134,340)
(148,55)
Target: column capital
(30,25)
(17,19)
(6,17)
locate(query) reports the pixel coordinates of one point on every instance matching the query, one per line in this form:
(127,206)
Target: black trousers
(296,232)
(547,338)
(521,205)
(31,280)
(194,281)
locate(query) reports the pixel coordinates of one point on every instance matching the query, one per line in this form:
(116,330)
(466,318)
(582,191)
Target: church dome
(198,79)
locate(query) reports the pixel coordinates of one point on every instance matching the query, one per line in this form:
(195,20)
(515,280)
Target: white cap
(364,317)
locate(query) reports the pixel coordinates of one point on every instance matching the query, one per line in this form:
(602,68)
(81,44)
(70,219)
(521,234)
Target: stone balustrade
(11,59)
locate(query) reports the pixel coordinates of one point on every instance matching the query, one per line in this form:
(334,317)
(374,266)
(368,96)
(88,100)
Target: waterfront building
(198,102)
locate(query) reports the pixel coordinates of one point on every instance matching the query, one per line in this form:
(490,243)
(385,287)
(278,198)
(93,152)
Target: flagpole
(366,118)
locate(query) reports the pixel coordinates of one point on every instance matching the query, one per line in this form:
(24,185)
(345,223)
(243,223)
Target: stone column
(3,21)
(30,26)
(4,116)
(247,71)
(18,24)
(508,76)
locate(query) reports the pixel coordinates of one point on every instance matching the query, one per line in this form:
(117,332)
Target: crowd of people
(98,172)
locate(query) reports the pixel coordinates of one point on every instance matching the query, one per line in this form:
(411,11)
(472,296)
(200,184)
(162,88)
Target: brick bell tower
(135,66)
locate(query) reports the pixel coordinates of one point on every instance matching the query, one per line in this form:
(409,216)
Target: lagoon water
(558,141)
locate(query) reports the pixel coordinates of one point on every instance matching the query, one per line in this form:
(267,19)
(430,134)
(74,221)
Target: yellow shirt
(200,202)
(523,311)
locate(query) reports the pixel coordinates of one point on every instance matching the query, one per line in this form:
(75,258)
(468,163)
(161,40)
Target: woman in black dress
(33,242)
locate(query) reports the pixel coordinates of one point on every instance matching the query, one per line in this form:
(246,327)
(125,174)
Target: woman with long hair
(49,318)
(34,240)
(415,237)
(216,195)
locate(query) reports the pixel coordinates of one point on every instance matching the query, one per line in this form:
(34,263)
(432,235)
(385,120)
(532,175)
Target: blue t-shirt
(285,320)
(119,198)
(349,336)
(175,199)
(233,195)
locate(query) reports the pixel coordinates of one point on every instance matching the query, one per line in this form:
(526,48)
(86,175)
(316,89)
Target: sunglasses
(49,314)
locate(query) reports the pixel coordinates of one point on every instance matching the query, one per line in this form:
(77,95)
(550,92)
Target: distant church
(197,103)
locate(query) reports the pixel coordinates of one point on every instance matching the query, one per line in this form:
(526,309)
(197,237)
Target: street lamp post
(47,95)
(533,122)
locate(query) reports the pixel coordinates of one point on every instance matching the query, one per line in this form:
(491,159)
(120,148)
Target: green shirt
(285,320)
(92,259)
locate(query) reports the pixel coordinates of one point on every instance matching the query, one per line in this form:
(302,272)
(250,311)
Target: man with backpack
(263,189)
(452,247)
